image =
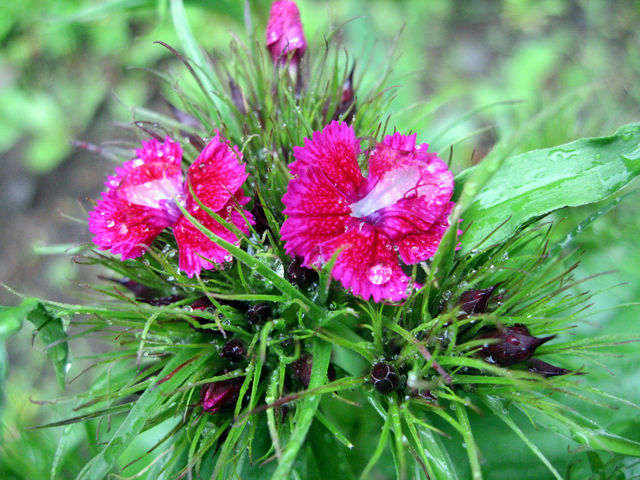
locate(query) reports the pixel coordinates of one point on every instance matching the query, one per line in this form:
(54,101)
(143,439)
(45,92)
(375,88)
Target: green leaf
(52,334)
(535,183)
(11,318)
(175,372)
(305,411)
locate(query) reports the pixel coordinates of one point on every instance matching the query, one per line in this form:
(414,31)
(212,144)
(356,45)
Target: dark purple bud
(384,378)
(141,292)
(285,36)
(515,344)
(201,303)
(475,301)
(258,314)
(237,97)
(234,351)
(301,276)
(547,370)
(184,117)
(164,301)
(219,396)
(301,370)
(196,141)
(347,101)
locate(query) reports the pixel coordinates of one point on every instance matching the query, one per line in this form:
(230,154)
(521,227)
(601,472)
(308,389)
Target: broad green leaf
(51,332)
(11,318)
(533,184)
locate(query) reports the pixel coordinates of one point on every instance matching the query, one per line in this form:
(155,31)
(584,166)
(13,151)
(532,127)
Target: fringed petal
(335,151)
(367,264)
(194,245)
(169,152)
(417,246)
(216,174)
(123,229)
(317,212)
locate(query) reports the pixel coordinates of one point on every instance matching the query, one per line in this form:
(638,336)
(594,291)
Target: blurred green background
(69,69)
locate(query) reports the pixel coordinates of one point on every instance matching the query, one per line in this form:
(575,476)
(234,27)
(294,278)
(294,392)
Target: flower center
(390,189)
(162,194)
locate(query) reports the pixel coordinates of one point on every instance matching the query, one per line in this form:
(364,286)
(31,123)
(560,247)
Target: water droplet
(110,224)
(380,273)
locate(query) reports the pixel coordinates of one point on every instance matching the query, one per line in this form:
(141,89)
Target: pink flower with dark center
(142,200)
(284,33)
(399,211)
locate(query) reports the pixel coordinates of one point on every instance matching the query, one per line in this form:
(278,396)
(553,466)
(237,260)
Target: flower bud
(515,344)
(285,36)
(384,378)
(475,301)
(302,370)
(219,396)
(301,276)
(547,370)
(258,314)
(234,351)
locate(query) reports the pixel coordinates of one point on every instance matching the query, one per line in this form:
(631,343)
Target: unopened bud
(515,344)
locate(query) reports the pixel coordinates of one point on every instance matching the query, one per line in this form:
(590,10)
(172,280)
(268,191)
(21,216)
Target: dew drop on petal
(379,274)
(110,224)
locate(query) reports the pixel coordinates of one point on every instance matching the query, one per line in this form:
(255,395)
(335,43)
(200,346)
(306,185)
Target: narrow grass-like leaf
(306,410)
(498,410)
(144,408)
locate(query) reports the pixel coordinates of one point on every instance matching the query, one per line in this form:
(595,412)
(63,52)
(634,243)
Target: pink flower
(284,33)
(398,212)
(142,200)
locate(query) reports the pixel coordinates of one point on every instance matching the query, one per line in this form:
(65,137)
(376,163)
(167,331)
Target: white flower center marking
(391,188)
(152,193)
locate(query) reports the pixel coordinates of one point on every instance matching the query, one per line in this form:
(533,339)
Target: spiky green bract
(159,350)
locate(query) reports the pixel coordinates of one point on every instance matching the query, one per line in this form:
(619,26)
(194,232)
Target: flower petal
(216,175)
(335,150)
(153,151)
(317,212)
(417,246)
(140,200)
(124,229)
(416,222)
(368,264)
(194,245)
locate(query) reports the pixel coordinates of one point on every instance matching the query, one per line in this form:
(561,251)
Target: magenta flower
(398,212)
(142,200)
(284,33)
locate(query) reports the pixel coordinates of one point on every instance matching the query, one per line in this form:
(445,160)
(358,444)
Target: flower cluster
(146,194)
(395,215)
(333,223)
